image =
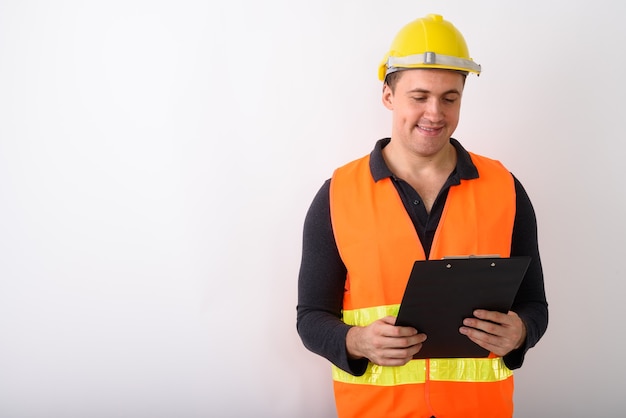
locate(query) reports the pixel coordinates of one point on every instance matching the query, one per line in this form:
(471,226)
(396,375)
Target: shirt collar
(465,168)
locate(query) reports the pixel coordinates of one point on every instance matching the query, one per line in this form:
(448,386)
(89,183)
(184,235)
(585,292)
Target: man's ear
(387,97)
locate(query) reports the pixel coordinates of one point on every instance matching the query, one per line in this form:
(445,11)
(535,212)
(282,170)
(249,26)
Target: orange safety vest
(378,244)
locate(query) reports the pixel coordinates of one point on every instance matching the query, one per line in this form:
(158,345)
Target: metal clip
(430,58)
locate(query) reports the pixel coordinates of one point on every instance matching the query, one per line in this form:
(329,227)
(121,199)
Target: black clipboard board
(441,293)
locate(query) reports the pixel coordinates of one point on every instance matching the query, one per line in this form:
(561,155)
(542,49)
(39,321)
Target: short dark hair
(392,79)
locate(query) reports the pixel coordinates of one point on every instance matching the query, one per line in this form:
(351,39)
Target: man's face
(425,107)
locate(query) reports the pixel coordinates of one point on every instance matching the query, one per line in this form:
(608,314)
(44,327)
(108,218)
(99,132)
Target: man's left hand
(495,331)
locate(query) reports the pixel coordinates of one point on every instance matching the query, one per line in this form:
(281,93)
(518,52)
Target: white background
(157,159)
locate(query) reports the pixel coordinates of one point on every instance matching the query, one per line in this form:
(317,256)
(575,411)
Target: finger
(500,340)
(390,320)
(485,326)
(403,353)
(406,343)
(395,357)
(489,342)
(478,335)
(493,316)
(392,330)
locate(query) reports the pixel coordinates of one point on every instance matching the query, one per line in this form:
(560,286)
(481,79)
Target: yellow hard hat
(428,42)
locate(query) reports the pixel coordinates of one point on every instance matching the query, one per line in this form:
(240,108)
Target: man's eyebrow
(420,90)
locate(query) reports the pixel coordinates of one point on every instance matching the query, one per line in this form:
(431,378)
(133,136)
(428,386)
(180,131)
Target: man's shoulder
(353,168)
(479,159)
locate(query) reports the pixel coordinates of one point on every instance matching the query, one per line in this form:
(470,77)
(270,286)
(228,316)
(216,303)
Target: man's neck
(426,174)
(405,165)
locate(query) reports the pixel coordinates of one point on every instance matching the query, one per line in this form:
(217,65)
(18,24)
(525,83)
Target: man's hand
(383,343)
(497,332)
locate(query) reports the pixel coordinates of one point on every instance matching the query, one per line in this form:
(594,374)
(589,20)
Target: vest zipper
(427,390)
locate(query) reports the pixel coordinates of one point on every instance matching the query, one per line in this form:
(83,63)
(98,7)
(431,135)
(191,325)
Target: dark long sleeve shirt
(323,273)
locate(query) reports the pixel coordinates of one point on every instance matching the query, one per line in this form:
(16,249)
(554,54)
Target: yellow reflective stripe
(448,370)
(365,316)
(469,369)
(444,370)
(412,372)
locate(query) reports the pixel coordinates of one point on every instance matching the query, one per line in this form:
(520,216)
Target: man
(419,195)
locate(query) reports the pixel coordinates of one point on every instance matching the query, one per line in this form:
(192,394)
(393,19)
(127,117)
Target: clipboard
(441,293)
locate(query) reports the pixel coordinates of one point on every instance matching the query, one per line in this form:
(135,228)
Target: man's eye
(449,99)
(419,99)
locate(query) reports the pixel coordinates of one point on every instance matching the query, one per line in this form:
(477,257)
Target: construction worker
(418,195)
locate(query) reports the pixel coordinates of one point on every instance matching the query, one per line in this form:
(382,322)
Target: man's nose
(434,110)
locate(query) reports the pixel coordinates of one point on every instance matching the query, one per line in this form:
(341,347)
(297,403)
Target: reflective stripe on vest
(449,370)
(443,370)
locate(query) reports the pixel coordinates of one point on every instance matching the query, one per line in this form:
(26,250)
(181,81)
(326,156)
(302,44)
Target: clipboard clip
(470,256)
(462,257)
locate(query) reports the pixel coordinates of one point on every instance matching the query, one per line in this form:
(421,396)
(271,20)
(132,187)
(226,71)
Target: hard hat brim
(427,60)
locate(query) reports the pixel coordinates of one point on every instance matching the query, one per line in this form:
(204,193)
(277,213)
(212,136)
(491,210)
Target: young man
(419,195)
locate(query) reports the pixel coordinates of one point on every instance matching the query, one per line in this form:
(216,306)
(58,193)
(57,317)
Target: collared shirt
(425,223)
(322,272)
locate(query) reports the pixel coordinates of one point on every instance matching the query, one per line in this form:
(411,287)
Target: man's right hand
(383,343)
